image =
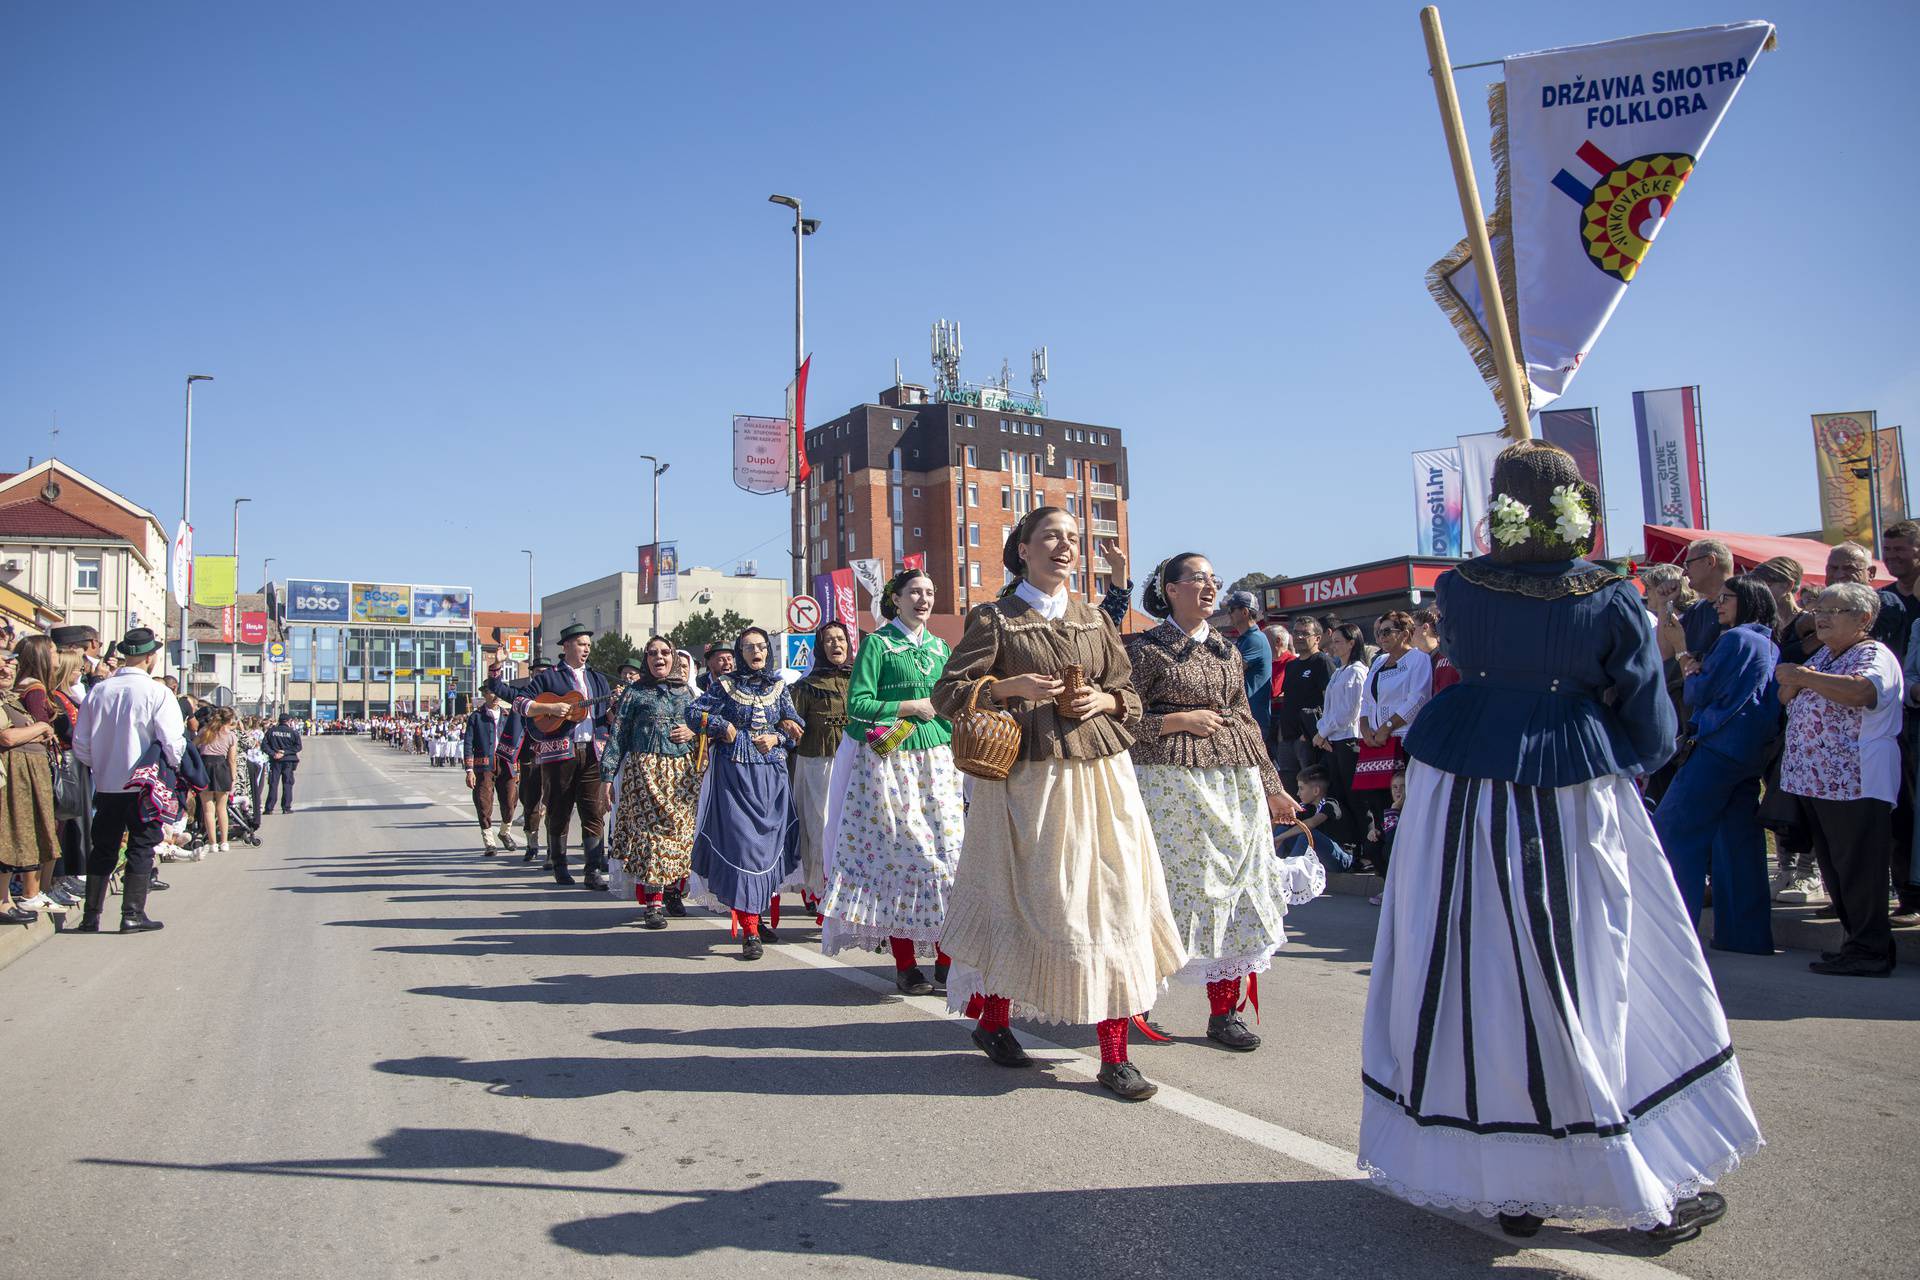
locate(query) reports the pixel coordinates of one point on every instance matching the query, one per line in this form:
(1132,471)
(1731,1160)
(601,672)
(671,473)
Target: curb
(22,938)
(1795,928)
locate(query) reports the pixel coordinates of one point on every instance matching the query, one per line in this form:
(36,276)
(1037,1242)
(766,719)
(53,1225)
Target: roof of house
(35,518)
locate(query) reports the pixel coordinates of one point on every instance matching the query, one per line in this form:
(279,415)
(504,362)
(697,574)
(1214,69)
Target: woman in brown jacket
(1059,908)
(1212,794)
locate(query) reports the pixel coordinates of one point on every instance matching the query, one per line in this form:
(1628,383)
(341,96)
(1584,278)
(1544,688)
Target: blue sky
(434,252)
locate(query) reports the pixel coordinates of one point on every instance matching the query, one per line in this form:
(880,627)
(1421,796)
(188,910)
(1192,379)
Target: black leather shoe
(1126,1082)
(1851,967)
(767,932)
(1690,1217)
(940,979)
(562,877)
(1523,1225)
(88,924)
(675,906)
(1001,1047)
(533,851)
(158,883)
(750,948)
(596,884)
(653,918)
(1231,1030)
(912,982)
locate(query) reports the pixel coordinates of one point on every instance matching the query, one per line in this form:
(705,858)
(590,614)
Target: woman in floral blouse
(1212,794)
(898,815)
(651,752)
(1842,757)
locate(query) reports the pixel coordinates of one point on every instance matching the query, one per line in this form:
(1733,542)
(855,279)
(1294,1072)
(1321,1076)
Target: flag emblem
(1622,213)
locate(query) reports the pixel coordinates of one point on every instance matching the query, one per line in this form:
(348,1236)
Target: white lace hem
(1224,969)
(837,935)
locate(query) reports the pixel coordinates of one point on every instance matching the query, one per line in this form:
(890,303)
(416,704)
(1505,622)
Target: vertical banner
(797,415)
(181,576)
(1477,454)
(846,607)
(1839,449)
(667,564)
(1578,432)
(226,624)
(213,581)
(1893,476)
(870,575)
(823,592)
(1436,502)
(760,454)
(1673,476)
(648,573)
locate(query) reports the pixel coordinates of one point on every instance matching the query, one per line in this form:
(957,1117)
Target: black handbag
(69,795)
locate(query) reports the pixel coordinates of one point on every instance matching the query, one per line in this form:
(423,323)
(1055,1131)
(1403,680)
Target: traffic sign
(277,651)
(800,653)
(803,614)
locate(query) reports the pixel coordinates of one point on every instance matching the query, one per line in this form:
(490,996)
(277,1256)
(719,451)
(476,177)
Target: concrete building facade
(613,603)
(92,555)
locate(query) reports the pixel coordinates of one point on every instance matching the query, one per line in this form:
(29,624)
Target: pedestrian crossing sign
(800,652)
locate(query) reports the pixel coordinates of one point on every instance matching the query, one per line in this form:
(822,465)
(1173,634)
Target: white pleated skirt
(1542,1033)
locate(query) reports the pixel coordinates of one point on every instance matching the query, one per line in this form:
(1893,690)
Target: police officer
(283,757)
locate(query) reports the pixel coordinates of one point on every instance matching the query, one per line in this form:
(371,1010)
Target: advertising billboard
(443,605)
(253,628)
(317,600)
(760,454)
(381,602)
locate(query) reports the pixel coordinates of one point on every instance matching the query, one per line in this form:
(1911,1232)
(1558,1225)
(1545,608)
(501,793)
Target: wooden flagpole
(1513,387)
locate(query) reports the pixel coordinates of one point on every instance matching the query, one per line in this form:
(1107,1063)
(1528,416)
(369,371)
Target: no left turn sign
(803,614)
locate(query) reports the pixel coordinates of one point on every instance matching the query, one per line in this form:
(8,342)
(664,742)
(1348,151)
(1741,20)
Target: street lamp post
(233,657)
(265,666)
(186,519)
(531,653)
(802,228)
(659,469)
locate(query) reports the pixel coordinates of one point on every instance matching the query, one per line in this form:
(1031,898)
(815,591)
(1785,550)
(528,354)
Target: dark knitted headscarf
(1528,473)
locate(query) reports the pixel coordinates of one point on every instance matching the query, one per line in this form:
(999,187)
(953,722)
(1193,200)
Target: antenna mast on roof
(946,358)
(1039,373)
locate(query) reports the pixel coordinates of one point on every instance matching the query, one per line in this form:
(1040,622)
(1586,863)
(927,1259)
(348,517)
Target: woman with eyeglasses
(1399,684)
(1709,818)
(1338,730)
(1542,1036)
(1213,796)
(748,840)
(1842,757)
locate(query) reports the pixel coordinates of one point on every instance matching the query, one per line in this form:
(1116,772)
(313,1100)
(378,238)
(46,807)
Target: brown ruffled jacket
(1174,672)
(1009,638)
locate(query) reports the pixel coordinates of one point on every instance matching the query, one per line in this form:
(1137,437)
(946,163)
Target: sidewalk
(1794,928)
(18,939)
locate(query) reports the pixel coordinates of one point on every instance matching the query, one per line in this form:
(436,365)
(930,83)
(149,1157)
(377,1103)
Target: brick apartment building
(907,475)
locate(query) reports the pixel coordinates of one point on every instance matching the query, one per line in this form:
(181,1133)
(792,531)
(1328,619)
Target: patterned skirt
(897,824)
(652,839)
(1228,891)
(29,833)
(1542,1034)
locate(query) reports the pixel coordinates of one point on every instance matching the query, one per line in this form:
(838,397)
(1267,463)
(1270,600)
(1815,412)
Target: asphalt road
(365,1050)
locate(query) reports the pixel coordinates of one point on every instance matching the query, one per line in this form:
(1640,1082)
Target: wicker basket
(1072,681)
(985,741)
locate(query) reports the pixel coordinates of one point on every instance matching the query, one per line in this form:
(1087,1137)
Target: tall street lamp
(186,517)
(233,657)
(802,228)
(659,469)
(269,671)
(532,653)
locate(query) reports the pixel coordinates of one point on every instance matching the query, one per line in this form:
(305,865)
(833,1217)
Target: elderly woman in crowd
(1842,757)
(1796,881)
(1709,816)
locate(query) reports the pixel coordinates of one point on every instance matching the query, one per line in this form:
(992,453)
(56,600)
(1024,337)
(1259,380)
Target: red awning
(1667,546)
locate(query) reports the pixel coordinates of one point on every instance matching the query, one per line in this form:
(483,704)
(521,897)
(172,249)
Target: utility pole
(186,520)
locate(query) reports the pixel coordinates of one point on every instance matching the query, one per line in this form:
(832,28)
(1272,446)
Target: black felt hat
(68,637)
(138,641)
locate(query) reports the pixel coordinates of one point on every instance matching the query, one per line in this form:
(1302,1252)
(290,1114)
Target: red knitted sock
(640,894)
(941,958)
(994,1012)
(748,922)
(1222,996)
(656,896)
(773,912)
(1113,1040)
(902,953)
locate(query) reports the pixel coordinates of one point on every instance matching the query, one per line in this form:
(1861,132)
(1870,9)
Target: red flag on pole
(797,413)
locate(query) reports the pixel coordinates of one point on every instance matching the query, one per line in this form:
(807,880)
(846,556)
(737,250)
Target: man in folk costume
(533,812)
(1059,908)
(569,755)
(481,749)
(1542,1036)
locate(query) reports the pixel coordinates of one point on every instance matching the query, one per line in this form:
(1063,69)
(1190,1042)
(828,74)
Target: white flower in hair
(1572,521)
(1509,519)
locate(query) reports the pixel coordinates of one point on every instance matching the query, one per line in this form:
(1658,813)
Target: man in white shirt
(126,715)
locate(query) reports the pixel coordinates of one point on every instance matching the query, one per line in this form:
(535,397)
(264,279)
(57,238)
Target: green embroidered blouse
(889,670)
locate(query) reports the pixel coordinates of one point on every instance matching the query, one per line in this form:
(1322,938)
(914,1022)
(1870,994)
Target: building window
(1073,505)
(917,533)
(973,456)
(1073,581)
(1073,468)
(973,495)
(973,535)
(973,573)
(1006,497)
(1006,460)
(1103,439)
(896,424)
(86,574)
(916,492)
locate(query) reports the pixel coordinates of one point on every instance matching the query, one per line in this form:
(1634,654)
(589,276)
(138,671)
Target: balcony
(1106,491)
(1104,528)
(1100,564)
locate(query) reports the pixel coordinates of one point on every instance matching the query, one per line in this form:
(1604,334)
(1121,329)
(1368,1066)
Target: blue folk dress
(748,841)
(1542,1034)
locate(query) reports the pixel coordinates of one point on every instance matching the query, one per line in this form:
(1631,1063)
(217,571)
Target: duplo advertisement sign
(316,600)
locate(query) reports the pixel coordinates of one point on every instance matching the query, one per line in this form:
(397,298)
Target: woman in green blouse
(897,817)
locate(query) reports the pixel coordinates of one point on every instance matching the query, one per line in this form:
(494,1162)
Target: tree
(698,630)
(1254,581)
(611,650)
